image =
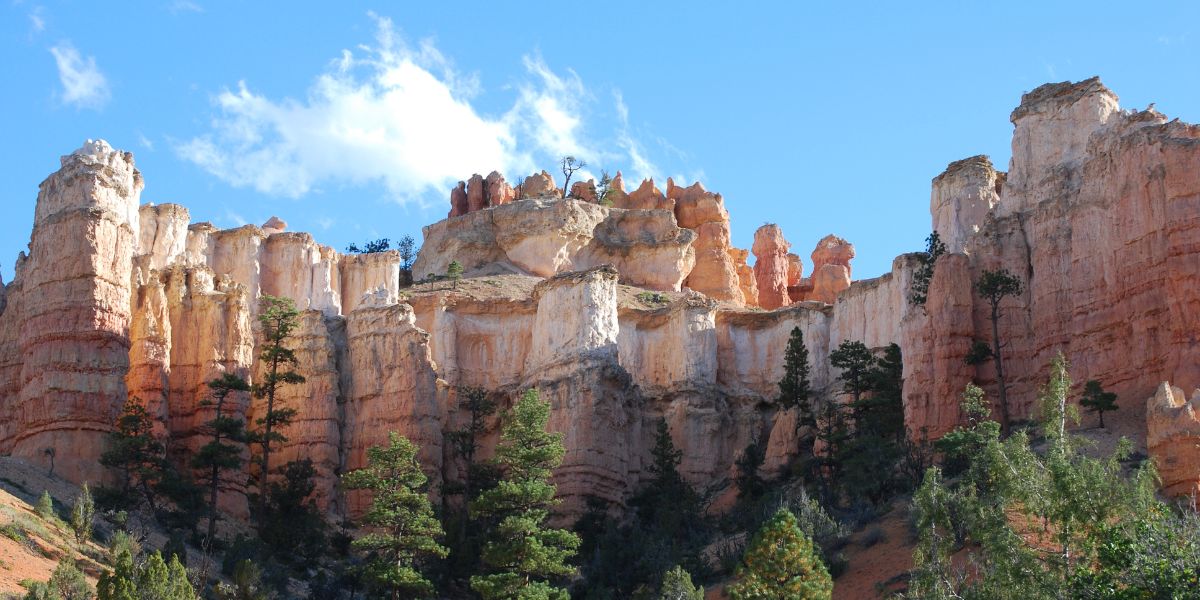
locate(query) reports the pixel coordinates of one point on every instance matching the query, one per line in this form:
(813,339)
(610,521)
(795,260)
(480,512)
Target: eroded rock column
(75,336)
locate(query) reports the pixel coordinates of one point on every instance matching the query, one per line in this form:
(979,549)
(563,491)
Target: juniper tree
(677,585)
(279,318)
(45,506)
(524,556)
(995,286)
(67,582)
(224,451)
(403,528)
(154,579)
(569,164)
(1096,400)
(781,564)
(83,515)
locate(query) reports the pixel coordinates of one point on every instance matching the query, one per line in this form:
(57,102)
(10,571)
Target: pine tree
(478,406)
(794,388)
(934,248)
(138,457)
(749,483)
(667,503)
(995,286)
(523,555)
(404,528)
(224,451)
(856,362)
(154,579)
(455,272)
(279,318)
(781,564)
(677,585)
(1096,400)
(83,515)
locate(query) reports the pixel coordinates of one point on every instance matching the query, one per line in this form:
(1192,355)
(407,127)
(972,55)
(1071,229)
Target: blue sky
(353,122)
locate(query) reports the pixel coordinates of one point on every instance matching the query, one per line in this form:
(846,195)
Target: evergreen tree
(138,457)
(856,363)
(455,272)
(154,579)
(934,248)
(224,451)
(478,406)
(749,483)
(407,247)
(794,388)
(279,318)
(45,506)
(404,528)
(66,583)
(995,286)
(677,585)
(83,515)
(1096,400)
(781,564)
(523,555)
(291,525)
(667,503)
(834,433)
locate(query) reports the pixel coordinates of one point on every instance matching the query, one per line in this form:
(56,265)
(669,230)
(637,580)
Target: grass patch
(652,298)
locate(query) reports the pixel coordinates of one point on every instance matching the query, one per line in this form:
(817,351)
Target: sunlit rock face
(619,313)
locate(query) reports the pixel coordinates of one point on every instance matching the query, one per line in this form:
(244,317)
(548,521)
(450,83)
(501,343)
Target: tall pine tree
(781,564)
(794,388)
(279,318)
(224,451)
(523,555)
(404,530)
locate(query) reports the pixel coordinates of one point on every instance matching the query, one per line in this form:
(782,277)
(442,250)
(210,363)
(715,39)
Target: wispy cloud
(84,86)
(236,219)
(402,116)
(37,20)
(145,142)
(182,6)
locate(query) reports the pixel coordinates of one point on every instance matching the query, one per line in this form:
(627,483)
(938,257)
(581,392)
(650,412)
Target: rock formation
(584,190)
(771,266)
(1173,438)
(1098,215)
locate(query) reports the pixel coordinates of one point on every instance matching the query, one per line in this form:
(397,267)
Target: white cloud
(179,6)
(83,84)
(235,218)
(145,142)
(640,166)
(397,115)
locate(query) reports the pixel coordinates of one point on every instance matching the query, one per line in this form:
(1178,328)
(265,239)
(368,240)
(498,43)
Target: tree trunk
(999,361)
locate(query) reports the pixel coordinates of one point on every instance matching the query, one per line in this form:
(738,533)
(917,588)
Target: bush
(652,298)
(45,507)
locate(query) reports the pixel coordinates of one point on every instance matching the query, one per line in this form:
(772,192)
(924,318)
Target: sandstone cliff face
(1099,216)
(74,336)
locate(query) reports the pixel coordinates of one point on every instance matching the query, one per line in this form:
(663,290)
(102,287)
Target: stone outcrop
(771,266)
(584,190)
(546,237)
(539,185)
(1173,439)
(1099,216)
(962,197)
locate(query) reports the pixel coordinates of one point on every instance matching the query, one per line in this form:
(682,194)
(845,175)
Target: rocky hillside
(620,311)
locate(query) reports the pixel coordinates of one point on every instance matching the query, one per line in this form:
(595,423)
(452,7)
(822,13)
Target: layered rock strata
(1098,216)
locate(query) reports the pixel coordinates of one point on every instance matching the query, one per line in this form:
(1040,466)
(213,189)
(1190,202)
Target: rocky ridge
(1099,215)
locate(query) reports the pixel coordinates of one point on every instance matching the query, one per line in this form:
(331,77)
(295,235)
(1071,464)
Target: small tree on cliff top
(995,286)
(404,528)
(923,275)
(781,564)
(279,318)
(569,164)
(523,555)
